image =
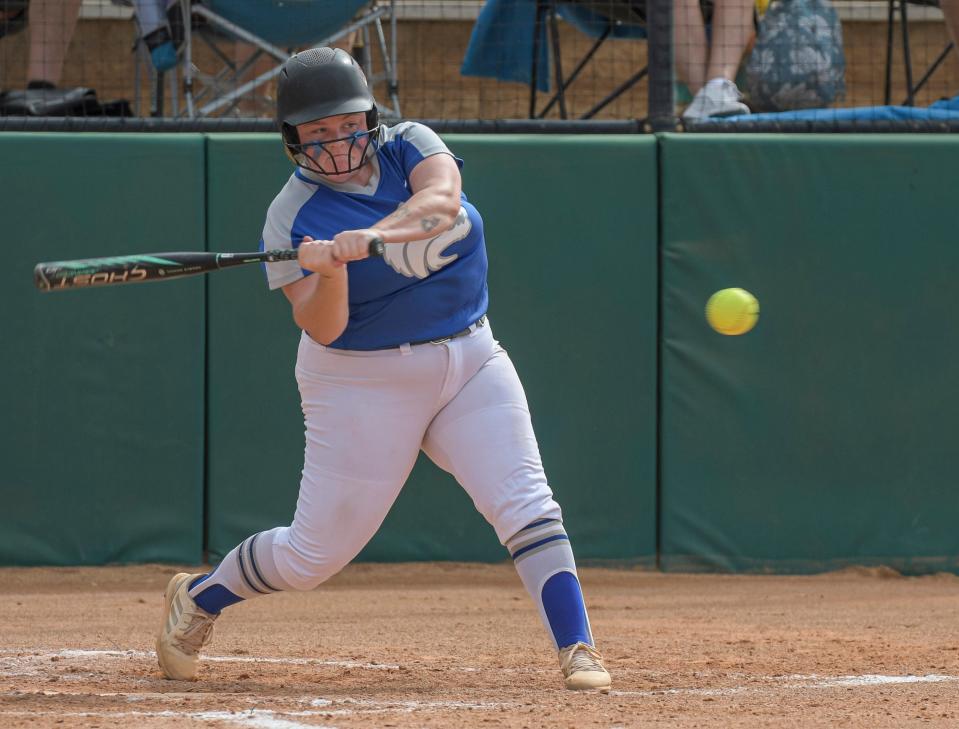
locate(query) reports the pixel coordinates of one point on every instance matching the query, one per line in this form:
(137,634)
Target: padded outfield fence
(469,65)
(159,422)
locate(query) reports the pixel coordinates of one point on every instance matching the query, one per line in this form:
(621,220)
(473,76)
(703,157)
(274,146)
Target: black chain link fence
(498,65)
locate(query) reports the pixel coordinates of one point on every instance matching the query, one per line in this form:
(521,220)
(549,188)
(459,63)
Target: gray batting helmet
(318,83)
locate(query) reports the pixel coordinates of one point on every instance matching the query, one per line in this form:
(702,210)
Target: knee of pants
(304,571)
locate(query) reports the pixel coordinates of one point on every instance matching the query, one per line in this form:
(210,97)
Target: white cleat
(583,668)
(719,97)
(186,628)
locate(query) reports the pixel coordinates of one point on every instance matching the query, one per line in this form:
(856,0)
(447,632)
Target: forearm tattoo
(429,223)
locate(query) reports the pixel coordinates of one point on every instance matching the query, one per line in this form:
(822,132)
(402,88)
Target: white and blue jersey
(420,290)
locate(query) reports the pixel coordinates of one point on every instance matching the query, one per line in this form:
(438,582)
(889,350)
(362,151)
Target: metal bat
(110,271)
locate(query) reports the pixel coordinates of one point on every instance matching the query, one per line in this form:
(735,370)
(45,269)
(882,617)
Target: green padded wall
(827,436)
(254,423)
(103,400)
(571,231)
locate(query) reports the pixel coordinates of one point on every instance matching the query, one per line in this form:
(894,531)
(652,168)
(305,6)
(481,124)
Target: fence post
(661,110)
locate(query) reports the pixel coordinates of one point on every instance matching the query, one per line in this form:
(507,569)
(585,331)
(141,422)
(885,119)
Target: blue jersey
(424,289)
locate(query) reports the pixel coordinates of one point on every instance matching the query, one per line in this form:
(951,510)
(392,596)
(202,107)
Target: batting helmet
(318,83)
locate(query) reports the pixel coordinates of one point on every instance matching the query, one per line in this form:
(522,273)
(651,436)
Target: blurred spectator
(51,25)
(708,66)
(155,31)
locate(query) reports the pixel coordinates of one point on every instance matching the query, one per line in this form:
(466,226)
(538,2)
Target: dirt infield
(455,645)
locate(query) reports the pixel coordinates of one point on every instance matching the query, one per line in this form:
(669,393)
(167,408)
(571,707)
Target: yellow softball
(732,311)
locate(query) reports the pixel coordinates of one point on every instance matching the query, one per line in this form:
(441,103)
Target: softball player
(396,356)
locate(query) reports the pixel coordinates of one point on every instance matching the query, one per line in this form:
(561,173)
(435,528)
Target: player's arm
(436,184)
(320,303)
(432,208)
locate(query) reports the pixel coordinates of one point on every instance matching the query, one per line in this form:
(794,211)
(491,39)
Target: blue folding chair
(598,20)
(275,29)
(518,40)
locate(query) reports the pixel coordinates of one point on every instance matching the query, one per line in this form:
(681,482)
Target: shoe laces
(195,633)
(723,84)
(580,657)
(732,88)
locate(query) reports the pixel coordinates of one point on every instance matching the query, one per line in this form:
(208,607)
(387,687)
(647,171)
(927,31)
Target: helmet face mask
(318,156)
(320,83)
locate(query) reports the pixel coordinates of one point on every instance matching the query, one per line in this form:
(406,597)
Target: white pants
(367,416)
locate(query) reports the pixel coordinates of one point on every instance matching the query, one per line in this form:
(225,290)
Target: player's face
(336,144)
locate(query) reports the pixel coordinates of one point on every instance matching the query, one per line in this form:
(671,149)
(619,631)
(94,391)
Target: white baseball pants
(368,414)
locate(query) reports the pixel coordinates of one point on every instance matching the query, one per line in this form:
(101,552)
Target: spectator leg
(732,31)
(689,39)
(52,23)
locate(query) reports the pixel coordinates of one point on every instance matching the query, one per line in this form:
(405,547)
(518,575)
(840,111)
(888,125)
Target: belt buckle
(481,322)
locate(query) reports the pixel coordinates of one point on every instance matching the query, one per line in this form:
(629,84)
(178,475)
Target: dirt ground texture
(460,645)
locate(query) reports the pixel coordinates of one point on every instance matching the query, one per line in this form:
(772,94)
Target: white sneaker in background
(719,97)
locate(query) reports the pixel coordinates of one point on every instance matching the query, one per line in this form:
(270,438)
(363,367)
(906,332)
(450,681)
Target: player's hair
(318,83)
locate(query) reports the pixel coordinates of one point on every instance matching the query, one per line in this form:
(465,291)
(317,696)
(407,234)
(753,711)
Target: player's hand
(354,245)
(318,256)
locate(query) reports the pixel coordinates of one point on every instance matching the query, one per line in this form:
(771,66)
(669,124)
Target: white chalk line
(369,706)
(870,680)
(365,706)
(24,662)
(19,658)
(253,718)
(28,656)
(326,708)
(266,719)
(807,681)
(263,718)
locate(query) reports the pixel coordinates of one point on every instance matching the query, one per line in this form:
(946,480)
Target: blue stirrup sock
(247,571)
(544,560)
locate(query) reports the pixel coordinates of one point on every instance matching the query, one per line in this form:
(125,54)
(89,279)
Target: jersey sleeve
(278,232)
(415,142)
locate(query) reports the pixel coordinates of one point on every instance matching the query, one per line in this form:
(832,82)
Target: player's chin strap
(299,153)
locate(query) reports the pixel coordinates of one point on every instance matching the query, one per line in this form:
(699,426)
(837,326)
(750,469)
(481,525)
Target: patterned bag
(798,60)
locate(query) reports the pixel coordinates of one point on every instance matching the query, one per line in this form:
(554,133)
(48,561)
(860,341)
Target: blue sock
(544,560)
(565,610)
(215,597)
